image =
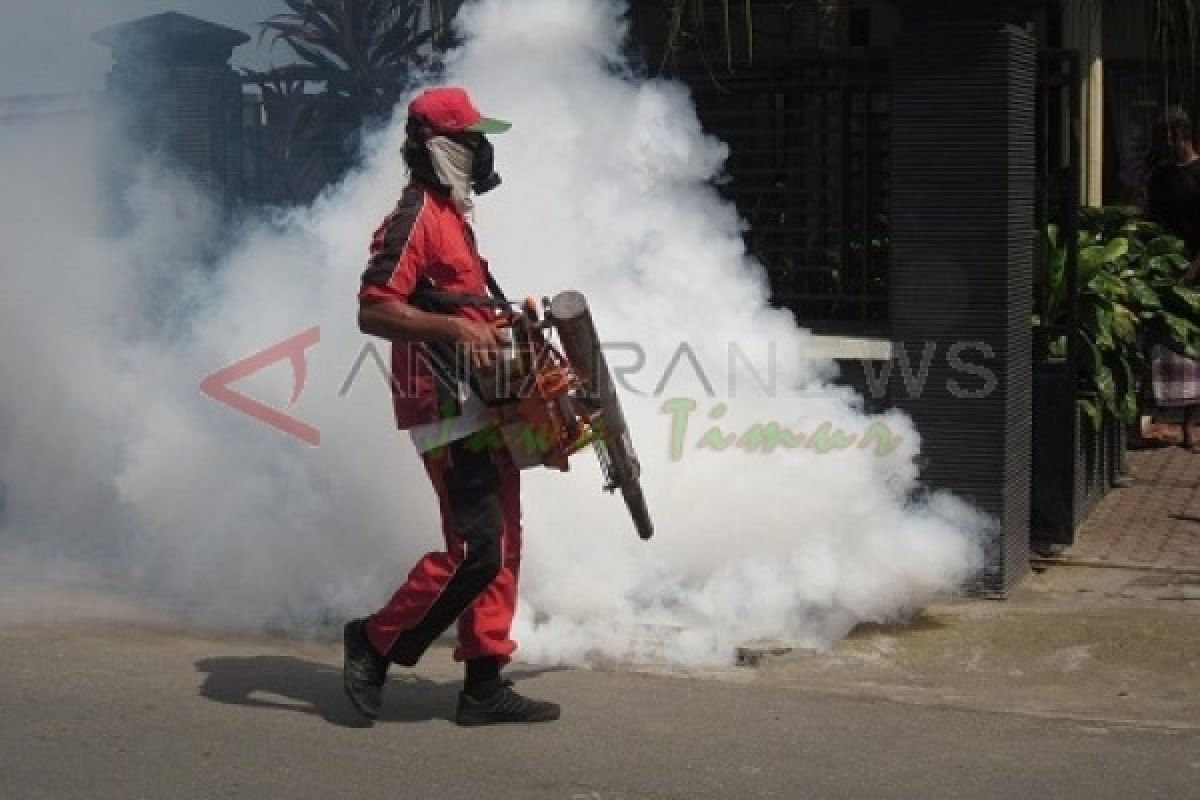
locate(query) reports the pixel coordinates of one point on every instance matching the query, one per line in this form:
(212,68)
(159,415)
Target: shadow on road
(287,683)
(281,683)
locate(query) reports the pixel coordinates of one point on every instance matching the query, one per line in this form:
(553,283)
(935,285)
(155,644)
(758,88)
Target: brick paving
(1154,523)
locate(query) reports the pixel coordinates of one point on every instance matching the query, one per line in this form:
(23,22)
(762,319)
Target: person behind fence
(427,241)
(1173,200)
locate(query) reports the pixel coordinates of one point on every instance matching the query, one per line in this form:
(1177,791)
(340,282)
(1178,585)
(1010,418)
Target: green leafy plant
(1131,293)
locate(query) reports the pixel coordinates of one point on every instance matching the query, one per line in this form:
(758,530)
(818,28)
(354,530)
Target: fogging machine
(550,403)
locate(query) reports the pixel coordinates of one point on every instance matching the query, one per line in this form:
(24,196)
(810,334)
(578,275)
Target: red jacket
(425,237)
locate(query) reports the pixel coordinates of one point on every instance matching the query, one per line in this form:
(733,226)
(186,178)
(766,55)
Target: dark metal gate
(1059,177)
(809,170)
(1073,464)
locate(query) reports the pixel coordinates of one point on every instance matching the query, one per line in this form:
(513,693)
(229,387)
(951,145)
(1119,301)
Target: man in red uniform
(425,244)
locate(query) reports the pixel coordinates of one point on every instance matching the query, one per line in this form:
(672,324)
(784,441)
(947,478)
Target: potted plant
(1130,295)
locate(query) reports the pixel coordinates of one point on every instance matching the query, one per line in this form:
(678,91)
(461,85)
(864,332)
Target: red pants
(475,579)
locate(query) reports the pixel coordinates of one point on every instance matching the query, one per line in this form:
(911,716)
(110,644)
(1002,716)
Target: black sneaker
(503,705)
(364,670)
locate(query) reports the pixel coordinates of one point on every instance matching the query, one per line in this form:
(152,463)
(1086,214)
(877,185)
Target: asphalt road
(125,711)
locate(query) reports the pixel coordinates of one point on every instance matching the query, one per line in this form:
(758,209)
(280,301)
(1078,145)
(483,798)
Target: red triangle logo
(219,387)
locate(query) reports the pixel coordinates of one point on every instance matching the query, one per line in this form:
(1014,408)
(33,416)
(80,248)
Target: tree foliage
(356,58)
(361,51)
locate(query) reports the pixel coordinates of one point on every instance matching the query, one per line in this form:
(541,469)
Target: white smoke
(114,458)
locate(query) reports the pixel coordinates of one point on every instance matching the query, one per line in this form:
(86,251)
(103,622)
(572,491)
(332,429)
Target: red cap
(450,110)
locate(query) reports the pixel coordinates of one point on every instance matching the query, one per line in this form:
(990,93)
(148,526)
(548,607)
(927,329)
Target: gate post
(962,231)
(177,95)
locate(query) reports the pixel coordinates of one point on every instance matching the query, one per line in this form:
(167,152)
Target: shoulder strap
(428,298)
(495,289)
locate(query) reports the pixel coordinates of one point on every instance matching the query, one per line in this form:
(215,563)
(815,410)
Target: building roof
(169,27)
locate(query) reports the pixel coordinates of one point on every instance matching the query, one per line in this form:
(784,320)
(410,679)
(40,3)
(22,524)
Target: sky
(46,45)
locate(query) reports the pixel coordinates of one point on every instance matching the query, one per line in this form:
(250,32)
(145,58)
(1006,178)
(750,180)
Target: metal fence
(809,171)
(1074,463)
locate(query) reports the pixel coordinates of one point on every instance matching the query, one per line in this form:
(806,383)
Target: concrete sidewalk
(1154,523)
(1109,631)
(1102,646)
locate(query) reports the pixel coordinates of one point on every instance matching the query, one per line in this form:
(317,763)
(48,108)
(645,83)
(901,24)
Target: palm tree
(361,51)
(358,55)
(291,160)
(441,19)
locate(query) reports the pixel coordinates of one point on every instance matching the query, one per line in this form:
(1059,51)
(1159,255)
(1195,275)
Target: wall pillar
(1083,30)
(962,232)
